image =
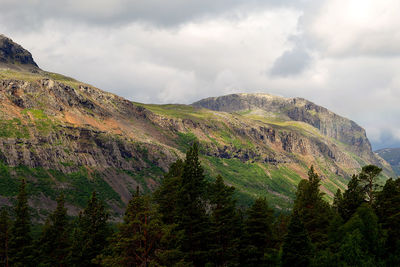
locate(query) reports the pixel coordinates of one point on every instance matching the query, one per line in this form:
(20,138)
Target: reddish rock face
(54,122)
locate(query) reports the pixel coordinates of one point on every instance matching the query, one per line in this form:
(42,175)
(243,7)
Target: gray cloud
(291,62)
(150,51)
(387,139)
(28,15)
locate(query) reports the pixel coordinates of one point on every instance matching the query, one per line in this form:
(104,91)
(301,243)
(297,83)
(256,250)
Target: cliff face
(295,109)
(14,56)
(64,135)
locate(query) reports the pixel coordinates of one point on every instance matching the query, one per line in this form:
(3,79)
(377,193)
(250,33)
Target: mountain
(392,156)
(64,135)
(14,56)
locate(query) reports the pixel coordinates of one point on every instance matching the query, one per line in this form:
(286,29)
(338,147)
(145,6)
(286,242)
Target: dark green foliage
(314,212)
(387,208)
(361,244)
(90,234)
(191,208)
(280,229)
(190,222)
(54,242)
(352,198)
(166,196)
(258,238)
(297,249)
(4,237)
(224,227)
(20,239)
(368,177)
(139,236)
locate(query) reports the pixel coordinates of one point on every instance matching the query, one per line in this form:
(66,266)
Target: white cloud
(340,54)
(356,27)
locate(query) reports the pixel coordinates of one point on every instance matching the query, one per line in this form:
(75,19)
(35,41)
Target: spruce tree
(90,234)
(297,249)
(387,207)
(166,196)
(55,239)
(362,243)
(4,237)
(352,198)
(258,234)
(224,223)
(191,209)
(314,212)
(20,239)
(139,236)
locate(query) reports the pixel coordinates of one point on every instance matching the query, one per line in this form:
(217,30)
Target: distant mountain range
(392,156)
(64,135)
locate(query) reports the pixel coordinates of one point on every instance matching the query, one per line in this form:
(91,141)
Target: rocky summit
(64,135)
(14,56)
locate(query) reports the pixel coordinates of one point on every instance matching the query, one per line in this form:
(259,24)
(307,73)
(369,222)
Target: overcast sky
(341,54)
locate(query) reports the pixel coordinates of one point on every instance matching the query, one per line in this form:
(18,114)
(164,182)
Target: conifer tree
(280,229)
(4,237)
(55,240)
(224,223)
(297,249)
(258,234)
(368,177)
(362,243)
(166,196)
(352,198)
(139,235)
(387,208)
(314,212)
(90,234)
(20,239)
(191,208)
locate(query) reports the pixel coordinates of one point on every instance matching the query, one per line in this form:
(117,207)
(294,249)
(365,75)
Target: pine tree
(20,239)
(314,212)
(4,237)
(297,249)
(139,235)
(224,223)
(387,207)
(191,209)
(368,177)
(280,229)
(352,198)
(90,234)
(166,196)
(362,243)
(258,234)
(55,240)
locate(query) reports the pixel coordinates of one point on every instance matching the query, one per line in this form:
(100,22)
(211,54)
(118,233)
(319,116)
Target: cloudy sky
(341,54)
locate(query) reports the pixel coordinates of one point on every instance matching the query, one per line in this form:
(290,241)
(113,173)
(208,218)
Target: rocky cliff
(14,56)
(295,109)
(64,135)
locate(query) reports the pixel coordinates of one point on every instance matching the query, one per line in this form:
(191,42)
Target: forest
(190,221)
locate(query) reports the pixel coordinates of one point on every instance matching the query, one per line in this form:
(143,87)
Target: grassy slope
(277,183)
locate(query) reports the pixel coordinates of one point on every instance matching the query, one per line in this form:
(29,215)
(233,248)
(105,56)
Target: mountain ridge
(65,135)
(14,56)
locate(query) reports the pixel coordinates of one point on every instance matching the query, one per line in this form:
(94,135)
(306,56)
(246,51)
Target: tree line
(189,221)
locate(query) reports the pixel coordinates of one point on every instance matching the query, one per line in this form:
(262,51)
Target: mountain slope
(64,135)
(392,156)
